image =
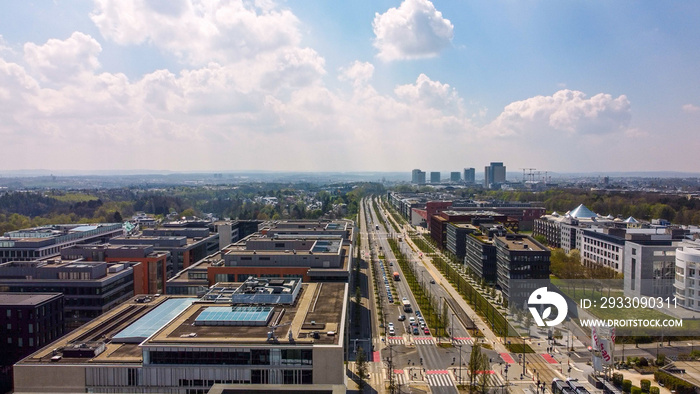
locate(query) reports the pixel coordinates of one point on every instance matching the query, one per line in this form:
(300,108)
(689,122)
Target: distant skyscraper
(494,174)
(454,176)
(469,175)
(418,177)
(435,177)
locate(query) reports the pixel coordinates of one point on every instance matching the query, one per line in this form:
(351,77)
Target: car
(391,325)
(391,263)
(391,331)
(415,331)
(426,331)
(432,281)
(418,313)
(411,319)
(404,299)
(422,324)
(402,317)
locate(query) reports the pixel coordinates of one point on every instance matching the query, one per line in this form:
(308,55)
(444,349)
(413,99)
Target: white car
(391,326)
(411,320)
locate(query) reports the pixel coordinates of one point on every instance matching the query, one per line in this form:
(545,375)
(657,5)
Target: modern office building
(418,177)
(435,177)
(480,251)
(89,288)
(687,278)
(153,268)
(456,234)
(469,175)
(308,228)
(494,175)
(276,333)
(439,222)
(186,245)
(603,248)
(47,241)
(649,266)
(521,261)
(232,231)
(455,176)
(28,321)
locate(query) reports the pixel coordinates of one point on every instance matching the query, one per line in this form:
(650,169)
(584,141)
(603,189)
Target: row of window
(253,357)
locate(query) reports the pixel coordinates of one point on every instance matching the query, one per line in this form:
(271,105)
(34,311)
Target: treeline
(298,201)
(640,205)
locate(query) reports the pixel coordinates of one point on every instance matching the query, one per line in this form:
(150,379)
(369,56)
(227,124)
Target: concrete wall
(57,379)
(328,365)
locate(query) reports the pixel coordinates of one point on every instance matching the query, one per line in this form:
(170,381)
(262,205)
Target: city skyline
(366,86)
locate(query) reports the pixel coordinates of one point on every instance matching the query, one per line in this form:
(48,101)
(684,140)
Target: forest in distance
(23,209)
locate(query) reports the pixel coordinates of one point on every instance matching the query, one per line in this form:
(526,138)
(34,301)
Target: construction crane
(271,337)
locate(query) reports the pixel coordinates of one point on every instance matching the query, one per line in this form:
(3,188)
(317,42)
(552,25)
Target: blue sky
(350,86)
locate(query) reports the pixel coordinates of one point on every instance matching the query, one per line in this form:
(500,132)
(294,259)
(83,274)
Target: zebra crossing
(424,340)
(439,378)
(395,340)
(496,380)
(463,340)
(400,377)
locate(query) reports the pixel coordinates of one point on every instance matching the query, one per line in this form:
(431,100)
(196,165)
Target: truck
(396,275)
(406,305)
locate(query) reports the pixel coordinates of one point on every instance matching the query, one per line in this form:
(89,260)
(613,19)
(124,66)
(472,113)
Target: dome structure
(582,212)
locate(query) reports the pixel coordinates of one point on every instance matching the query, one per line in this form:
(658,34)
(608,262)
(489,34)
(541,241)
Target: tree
(478,365)
(361,362)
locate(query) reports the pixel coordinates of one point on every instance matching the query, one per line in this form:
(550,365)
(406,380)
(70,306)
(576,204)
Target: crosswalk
(424,340)
(439,378)
(400,377)
(496,380)
(463,340)
(395,340)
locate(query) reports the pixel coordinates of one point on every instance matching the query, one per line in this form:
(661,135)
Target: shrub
(626,385)
(642,362)
(617,379)
(636,390)
(654,390)
(644,385)
(661,359)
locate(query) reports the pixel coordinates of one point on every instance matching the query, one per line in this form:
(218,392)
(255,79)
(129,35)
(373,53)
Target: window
(30,327)
(634,251)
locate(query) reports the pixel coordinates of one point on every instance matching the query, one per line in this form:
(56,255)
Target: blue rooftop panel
(147,325)
(236,316)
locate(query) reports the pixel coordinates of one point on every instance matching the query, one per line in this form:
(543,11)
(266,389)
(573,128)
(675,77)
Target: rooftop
(315,318)
(14,299)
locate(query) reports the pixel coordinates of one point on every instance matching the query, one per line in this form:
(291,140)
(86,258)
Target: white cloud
(690,108)
(432,94)
(413,30)
(565,111)
(58,60)
(199,31)
(360,73)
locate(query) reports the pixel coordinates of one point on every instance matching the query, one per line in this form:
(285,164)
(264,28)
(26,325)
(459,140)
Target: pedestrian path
(395,340)
(507,358)
(424,340)
(439,378)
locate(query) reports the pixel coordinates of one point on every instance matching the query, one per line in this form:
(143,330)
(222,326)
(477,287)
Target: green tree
(478,364)
(361,362)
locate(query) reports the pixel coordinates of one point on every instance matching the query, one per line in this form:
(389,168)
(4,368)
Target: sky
(362,85)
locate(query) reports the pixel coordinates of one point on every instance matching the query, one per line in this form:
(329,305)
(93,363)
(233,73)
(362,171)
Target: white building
(687,281)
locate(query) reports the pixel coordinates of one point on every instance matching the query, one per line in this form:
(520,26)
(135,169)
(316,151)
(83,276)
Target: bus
(561,387)
(406,305)
(396,275)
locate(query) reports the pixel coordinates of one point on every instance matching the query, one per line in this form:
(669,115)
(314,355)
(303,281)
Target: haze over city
(357,86)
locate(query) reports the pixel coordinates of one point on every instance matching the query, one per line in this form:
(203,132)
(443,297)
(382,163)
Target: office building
(480,251)
(28,321)
(152,272)
(187,345)
(469,175)
(687,278)
(47,241)
(435,177)
(186,245)
(455,176)
(439,222)
(232,231)
(418,177)
(494,175)
(456,233)
(89,288)
(522,264)
(649,266)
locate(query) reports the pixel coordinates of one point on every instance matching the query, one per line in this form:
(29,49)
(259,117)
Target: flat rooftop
(16,299)
(316,314)
(522,244)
